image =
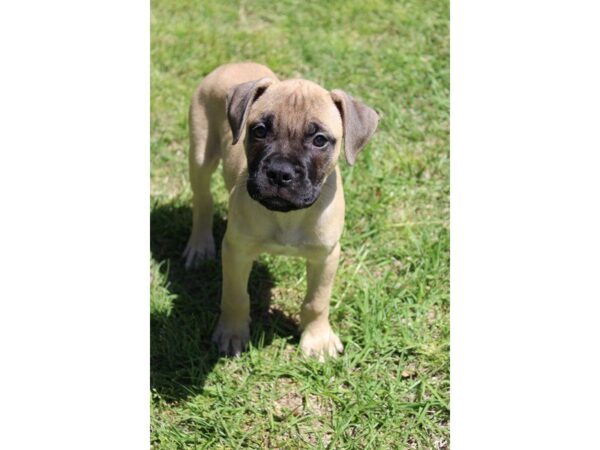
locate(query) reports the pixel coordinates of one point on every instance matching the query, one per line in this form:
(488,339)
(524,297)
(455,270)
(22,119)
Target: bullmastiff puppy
(280,142)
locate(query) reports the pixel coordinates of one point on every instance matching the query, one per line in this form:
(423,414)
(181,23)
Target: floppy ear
(359,121)
(239,100)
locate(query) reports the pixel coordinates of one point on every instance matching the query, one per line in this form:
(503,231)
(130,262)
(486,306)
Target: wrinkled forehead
(297,106)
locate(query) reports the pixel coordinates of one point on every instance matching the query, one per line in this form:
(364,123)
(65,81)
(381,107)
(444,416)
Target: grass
(390,305)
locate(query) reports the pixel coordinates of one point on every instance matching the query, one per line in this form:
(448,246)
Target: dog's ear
(359,121)
(239,100)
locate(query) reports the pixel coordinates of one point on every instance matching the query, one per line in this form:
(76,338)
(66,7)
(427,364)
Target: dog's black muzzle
(281,184)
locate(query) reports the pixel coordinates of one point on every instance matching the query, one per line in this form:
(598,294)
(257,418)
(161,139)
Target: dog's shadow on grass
(181,351)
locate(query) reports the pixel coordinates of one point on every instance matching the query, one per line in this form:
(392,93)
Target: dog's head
(293,136)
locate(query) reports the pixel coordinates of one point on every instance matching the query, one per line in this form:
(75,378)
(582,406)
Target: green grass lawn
(390,305)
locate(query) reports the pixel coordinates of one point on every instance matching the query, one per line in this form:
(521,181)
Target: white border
(525,227)
(74,233)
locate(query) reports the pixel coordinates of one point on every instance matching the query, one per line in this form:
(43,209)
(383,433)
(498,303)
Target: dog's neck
(294,218)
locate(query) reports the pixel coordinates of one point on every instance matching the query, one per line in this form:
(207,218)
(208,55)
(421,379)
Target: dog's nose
(281,173)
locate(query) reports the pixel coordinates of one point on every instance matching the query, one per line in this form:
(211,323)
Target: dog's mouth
(281,200)
(279,204)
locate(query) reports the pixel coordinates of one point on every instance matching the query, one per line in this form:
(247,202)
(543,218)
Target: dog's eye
(259,131)
(320,140)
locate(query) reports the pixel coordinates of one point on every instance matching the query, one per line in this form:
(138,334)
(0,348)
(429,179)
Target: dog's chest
(292,240)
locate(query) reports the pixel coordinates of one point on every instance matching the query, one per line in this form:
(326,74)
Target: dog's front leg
(317,337)
(233,330)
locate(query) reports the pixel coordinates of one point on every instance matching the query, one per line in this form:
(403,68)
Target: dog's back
(210,137)
(210,141)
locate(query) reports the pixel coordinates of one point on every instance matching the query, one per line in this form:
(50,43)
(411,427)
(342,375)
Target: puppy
(280,142)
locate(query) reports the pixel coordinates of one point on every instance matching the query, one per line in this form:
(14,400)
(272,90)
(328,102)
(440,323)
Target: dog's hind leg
(204,158)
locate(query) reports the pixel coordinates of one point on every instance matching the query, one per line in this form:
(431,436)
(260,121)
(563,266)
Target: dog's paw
(231,339)
(320,343)
(199,249)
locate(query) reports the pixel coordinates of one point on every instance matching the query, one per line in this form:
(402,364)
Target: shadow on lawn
(181,352)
